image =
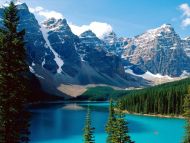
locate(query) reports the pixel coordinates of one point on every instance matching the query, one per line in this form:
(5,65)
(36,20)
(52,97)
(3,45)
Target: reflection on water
(61,122)
(73,106)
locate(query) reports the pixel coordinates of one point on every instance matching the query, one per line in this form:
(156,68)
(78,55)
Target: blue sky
(127,17)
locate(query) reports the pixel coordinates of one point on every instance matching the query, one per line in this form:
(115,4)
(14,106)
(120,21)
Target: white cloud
(99,28)
(186,14)
(78,29)
(186,22)
(51,14)
(186,9)
(36,9)
(46,13)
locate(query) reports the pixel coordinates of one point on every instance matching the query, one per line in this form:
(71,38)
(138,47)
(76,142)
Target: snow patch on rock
(148,75)
(185,74)
(57,58)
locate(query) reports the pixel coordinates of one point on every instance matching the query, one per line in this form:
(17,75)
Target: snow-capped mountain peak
(56,24)
(187,38)
(90,39)
(110,38)
(165,29)
(88,34)
(162,28)
(166,26)
(159,50)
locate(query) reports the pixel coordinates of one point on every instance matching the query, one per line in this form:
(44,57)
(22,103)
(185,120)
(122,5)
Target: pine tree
(110,126)
(121,130)
(14,85)
(88,130)
(1,96)
(187,115)
(116,127)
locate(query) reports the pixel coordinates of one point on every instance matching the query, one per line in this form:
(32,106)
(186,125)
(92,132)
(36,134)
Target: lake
(63,123)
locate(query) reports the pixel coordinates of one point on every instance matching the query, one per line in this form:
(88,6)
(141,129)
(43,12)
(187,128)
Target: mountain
(63,43)
(159,51)
(98,57)
(60,58)
(114,44)
(186,45)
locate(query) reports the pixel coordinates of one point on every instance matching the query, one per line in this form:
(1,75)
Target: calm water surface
(63,123)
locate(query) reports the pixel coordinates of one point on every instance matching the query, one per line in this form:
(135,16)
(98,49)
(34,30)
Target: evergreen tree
(88,130)
(121,130)
(14,85)
(110,126)
(117,126)
(187,115)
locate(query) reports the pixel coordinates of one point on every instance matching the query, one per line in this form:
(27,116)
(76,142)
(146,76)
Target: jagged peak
(110,37)
(151,34)
(187,38)
(53,21)
(112,33)
(166,28)
(55,24)
(88,34)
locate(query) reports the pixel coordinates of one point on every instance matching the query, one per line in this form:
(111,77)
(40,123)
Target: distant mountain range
(59,57)
(159,51)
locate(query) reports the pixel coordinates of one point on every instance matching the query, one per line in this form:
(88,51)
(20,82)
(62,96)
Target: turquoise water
(63,123)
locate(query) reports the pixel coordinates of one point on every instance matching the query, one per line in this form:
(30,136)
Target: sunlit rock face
(158,50)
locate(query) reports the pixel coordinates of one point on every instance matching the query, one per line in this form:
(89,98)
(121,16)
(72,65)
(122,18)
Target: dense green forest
(167,99)
(101,93)
(187,116)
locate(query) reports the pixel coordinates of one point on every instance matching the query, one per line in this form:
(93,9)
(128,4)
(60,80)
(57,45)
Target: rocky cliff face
(37,48)
(186,45)
(98,57)
(114,44)
(63,43)
(159,50)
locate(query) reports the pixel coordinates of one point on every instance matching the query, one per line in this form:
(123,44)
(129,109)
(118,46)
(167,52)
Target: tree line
(101,93)
(187,115)
(166,99)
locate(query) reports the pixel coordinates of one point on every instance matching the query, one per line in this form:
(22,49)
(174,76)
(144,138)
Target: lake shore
(125,111)
(154,115)
(64,102)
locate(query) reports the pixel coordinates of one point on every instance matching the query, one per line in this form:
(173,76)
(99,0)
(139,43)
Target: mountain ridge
(59,57)
(54,55)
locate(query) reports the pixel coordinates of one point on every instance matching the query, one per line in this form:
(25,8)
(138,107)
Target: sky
(126,18)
